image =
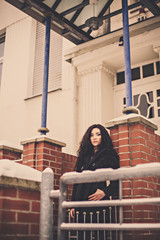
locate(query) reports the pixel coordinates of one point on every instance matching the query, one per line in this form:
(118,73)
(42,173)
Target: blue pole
(43,128)
(127,60)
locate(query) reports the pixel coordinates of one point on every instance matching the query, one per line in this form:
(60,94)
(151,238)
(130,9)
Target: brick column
(135,140)
(10,153)
(43,152)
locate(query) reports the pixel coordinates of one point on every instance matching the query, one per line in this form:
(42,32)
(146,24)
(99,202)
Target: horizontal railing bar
(108,203)
(99,175)
(110,226)
(54,193)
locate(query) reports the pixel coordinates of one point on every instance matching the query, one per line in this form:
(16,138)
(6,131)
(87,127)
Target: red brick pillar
(10,153)
(135,140)
(43,152)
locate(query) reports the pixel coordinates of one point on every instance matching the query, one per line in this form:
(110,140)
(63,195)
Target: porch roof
(74,19)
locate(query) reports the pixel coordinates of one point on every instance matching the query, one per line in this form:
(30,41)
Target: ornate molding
(98,68)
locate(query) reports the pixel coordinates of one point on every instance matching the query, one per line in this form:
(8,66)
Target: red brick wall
(138,144)
(10,153)
(68,166)
(19,213)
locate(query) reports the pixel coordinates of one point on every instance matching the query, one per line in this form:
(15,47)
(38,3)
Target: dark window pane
(158,67)
(158,102)
(151,112)
(120,78)
(2,46)
(148,70)
(124,101)
(158,112)
(150,96)
(135,72)
(143,105)
(158,92)
(135,99)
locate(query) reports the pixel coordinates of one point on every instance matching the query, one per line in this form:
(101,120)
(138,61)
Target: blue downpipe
(45,76)
(127,60)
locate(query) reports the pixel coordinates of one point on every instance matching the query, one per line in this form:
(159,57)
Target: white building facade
(86,82)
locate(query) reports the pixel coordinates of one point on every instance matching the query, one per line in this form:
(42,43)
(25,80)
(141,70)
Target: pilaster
(95,94)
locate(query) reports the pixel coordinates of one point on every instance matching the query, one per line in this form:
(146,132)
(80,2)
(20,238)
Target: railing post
(46,205)
(61,218)
(120,208)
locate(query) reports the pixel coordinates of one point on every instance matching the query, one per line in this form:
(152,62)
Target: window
(148,70)
(120,78)
(145,103)
(135,75)
(135,72)
(158,67)
(2,43)
(55,61)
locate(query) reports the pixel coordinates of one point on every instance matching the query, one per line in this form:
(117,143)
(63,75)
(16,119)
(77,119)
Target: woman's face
(95,137)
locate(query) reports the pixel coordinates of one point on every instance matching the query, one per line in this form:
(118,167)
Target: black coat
(101,159)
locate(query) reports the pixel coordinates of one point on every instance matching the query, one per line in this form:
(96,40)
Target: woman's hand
(72,212)
(98,195)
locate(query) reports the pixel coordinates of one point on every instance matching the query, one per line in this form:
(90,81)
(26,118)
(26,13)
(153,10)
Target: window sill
(40,94)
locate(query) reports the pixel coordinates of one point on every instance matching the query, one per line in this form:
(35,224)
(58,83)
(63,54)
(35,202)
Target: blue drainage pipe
(43,128)
(127,60)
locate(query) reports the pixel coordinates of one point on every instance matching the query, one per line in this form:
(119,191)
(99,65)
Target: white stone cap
(10,146)
(43,139)
(130,119)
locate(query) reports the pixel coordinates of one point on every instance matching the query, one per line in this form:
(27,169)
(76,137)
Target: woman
(95,151)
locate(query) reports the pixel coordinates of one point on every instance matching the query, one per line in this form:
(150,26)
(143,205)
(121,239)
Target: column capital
(86,69)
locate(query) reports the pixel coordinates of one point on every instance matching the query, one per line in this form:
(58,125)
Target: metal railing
(100,175)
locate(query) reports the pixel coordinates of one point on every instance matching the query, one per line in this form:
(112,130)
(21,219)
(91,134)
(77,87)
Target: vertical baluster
(110,221)
(77,214)
(69,220)
(84,219)
(91,220)
(104,221)
(97,222)
(116,221)
(120,210)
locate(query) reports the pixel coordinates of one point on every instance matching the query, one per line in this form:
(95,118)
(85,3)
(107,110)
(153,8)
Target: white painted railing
(139,171)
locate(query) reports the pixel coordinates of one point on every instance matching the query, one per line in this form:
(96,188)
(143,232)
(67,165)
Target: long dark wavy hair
(86,148)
